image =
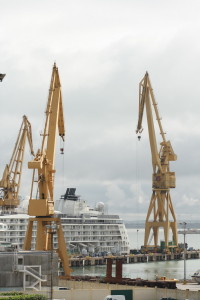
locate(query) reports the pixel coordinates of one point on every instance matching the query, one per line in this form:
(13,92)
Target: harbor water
(149,270)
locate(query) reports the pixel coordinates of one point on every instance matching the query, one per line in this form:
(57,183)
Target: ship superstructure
(86,230)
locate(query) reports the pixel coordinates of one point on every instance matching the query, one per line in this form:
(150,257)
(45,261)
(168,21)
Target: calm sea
(170,269)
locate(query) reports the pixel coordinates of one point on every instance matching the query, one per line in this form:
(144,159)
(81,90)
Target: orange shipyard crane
(42,207)
(160,212)
(10,182)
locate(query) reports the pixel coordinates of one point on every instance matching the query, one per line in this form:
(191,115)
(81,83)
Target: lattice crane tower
(42,207)
(11,179)
(160,212)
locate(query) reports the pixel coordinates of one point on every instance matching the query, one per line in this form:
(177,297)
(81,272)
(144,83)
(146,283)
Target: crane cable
(138,182)
(62,152)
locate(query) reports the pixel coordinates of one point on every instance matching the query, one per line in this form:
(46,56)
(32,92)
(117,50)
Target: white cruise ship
(86,230)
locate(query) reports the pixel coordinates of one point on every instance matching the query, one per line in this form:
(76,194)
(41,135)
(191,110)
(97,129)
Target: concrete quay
(132,258)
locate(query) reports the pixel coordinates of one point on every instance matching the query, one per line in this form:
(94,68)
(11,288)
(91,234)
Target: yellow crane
(42,207)
(10,182)
(160,212)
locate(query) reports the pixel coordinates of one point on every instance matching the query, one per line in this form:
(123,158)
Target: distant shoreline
(141,224)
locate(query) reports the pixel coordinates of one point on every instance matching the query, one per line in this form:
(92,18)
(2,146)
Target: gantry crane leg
(159,209)
(147,233)
(166,234)
(62,250)
(44,241)
(41,235)
(155,233)
(28,237)
(173,226)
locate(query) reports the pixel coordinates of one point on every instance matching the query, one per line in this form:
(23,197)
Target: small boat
(196,276)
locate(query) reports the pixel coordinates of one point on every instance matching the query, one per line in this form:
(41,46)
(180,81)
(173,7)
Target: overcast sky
(103,49)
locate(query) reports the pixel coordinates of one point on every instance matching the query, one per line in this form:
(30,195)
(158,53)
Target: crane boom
(42,207)
(160,209)
(11,180)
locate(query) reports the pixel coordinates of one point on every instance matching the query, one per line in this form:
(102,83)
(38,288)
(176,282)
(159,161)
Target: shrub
(20,296)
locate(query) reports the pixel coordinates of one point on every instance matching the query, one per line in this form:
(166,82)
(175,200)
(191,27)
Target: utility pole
(51,231)
(184,249)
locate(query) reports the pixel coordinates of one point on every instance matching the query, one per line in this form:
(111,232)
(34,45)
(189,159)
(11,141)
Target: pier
(132,258)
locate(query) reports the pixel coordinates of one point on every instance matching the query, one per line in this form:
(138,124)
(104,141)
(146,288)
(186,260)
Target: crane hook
(139,137)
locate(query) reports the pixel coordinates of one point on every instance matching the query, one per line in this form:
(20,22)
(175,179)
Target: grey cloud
(102,51)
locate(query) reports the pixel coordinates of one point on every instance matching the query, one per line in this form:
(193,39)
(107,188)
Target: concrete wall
(144,294)
(93,294)
(177,294)
(139,293)
(11,263)
(81,294)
